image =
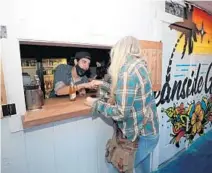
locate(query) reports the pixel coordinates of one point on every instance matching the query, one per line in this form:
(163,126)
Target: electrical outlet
(9,109)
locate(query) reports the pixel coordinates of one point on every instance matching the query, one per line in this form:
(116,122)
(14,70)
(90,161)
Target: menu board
(152,53)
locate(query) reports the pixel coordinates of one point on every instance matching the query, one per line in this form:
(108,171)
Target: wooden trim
(150,44)
(3,91)
(152,53)
(63,44)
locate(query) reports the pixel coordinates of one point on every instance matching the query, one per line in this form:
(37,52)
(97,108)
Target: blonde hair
(125,47)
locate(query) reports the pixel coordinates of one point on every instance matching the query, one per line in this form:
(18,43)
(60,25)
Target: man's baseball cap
(80,55)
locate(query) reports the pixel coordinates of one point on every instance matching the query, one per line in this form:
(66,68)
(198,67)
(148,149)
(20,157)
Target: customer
(133,108)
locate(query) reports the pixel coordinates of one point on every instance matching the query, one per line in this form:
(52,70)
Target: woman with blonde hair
(132,109)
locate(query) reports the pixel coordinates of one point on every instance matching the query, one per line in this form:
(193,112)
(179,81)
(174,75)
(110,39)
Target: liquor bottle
(72,91)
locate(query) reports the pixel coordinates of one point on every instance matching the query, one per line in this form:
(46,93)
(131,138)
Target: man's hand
(82,92)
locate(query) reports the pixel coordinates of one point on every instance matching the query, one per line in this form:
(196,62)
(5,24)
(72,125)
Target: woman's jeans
(142,161)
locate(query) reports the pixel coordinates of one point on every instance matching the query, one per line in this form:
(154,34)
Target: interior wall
(61,22)
(40,21)
(10,55)
(92,22)
(56,147)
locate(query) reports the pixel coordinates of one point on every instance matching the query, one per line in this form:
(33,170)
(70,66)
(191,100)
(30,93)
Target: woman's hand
(87,85)
(96,83)
(111,101)
(90,101)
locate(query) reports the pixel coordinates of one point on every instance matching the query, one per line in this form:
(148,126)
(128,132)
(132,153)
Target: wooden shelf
(49,66)
(30,67)
(3,91)
(48,75)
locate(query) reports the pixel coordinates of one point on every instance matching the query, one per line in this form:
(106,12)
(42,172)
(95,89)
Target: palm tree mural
(188,29)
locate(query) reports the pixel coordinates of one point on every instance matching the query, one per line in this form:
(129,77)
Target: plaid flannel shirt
(135,109)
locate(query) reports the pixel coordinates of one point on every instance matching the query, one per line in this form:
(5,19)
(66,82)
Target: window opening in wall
(42,60)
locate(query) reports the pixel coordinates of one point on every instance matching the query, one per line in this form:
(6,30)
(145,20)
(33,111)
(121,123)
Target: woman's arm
(102,84)
(125,94)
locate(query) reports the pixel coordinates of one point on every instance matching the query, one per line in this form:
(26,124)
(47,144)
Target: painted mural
(194,38)
(201,33)
(189,120)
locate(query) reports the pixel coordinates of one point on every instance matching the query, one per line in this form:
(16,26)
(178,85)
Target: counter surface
(56,109)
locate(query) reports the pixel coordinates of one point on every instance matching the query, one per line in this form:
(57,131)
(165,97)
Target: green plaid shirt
(135,109)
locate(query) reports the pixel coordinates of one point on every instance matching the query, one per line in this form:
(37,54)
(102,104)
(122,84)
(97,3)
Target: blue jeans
(142,161)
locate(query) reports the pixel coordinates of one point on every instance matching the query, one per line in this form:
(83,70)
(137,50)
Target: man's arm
(82,91)
(60,87)
(64,90)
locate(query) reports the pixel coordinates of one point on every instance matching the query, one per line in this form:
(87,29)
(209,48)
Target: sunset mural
(188,114)
(204,25)
(203,42)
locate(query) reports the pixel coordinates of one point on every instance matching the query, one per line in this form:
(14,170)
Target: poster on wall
(186,95)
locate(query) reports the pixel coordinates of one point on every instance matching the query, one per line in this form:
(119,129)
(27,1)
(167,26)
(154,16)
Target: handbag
(120,152)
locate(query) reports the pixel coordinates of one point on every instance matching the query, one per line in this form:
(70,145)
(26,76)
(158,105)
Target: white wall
(76,146)
(93,21)
(10,55)
(65,21)
(62,21)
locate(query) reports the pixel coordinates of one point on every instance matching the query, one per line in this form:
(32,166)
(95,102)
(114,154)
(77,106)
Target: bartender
(65,74)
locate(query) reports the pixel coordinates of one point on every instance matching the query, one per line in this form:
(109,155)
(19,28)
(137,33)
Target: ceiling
(205,5)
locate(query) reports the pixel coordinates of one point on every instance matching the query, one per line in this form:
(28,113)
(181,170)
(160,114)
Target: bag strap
(114,130)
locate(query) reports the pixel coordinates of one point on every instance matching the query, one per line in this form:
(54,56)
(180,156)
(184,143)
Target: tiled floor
(197,159)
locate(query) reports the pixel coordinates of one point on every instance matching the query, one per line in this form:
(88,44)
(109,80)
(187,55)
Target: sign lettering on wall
(194,38)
